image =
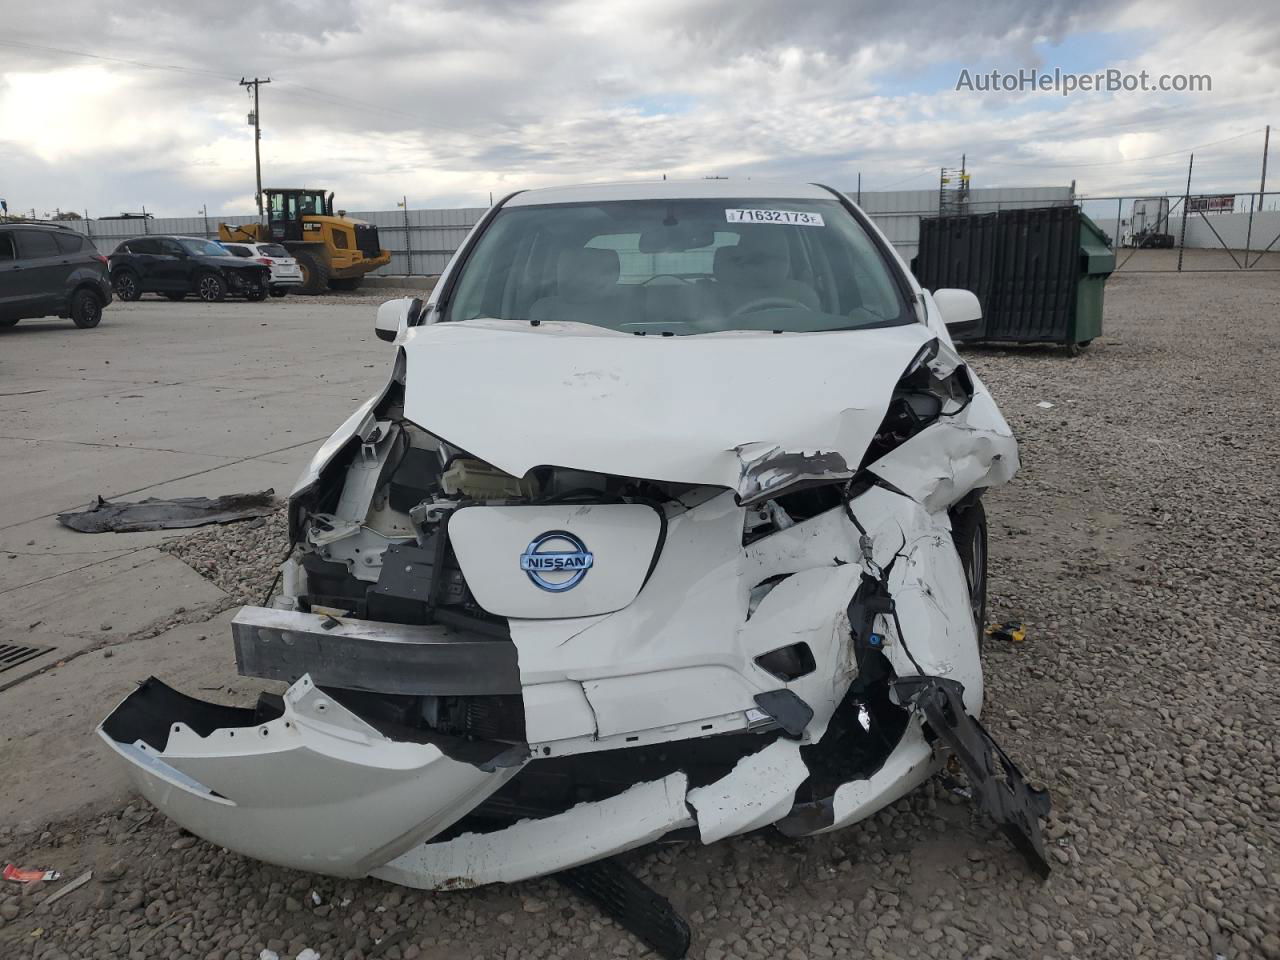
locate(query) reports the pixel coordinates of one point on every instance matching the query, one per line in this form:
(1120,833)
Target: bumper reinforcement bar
(372,656)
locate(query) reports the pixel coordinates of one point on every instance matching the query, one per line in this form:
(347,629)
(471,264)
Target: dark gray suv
(50,271)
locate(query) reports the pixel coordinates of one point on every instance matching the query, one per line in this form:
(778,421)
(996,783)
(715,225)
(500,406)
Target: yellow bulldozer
(334,252)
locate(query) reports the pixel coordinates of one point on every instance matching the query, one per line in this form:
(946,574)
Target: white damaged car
(667,525)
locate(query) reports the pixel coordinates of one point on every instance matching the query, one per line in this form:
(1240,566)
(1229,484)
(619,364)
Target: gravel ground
(368,295)
(240,558)
(1138,545)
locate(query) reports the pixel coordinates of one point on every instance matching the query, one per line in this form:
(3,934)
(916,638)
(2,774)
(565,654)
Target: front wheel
(211,288)
(256,294)
(7,323)
(969,532)
(127,285)
(315,273)
(86,309)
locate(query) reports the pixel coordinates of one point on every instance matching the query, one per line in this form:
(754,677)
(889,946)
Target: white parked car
(285,272)
(667,524)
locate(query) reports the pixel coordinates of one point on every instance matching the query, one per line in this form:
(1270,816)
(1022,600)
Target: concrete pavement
(162,399)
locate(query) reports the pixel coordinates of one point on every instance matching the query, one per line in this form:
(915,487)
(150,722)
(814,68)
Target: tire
(315,273)
(176,296)
(127,285)
(8,323)
(345,283)
(969,533)
(280,292)
(211,288)
(86,309)
(257,295)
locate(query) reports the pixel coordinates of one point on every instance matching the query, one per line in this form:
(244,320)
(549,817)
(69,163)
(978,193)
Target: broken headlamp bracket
(998,787)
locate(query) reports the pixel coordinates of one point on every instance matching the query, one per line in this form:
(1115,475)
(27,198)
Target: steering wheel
(673,276)
(768,303)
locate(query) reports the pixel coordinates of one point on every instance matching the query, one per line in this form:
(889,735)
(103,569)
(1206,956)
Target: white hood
(694,409)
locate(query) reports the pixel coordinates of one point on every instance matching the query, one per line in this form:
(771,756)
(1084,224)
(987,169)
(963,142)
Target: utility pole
(408,238)
(1186,202)
(204,212)
(1262,198)
(257,134)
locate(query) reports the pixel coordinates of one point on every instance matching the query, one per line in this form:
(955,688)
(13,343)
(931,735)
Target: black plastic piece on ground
(999,789)
(632,904)
(158,514)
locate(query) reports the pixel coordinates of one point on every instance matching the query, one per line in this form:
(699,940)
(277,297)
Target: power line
(1109,163)
(132,63)
(914,176)
(292,88)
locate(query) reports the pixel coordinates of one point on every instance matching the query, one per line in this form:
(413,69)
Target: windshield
(204,248)
(681,267)
(272,250)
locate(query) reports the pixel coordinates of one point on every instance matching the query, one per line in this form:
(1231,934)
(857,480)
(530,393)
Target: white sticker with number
(796,217)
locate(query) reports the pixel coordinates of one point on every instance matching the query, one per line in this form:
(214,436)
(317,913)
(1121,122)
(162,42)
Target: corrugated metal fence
(421,241)
(898,212)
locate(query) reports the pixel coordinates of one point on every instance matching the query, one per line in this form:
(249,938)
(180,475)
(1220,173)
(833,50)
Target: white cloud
(449,100)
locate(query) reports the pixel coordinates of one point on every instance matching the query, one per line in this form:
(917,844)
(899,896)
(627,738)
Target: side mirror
(395,317)
(960,310)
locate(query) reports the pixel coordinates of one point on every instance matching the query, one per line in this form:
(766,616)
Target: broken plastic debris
(315,898)
(29,874)
(75,884)
(1045,405)
(308,954)
(1012,632)
(268,955)
(180,512)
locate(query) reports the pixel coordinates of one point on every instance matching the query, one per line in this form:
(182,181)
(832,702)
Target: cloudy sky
(109,107)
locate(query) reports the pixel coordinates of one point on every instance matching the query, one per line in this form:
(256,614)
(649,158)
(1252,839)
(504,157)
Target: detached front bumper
(301,783)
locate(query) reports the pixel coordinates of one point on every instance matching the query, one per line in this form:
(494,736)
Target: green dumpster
(1038,273)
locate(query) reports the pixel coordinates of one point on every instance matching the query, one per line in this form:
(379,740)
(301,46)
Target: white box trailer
(1149,224)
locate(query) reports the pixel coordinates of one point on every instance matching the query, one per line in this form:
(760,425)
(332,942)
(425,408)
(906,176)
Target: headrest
(759,260)
(587,273)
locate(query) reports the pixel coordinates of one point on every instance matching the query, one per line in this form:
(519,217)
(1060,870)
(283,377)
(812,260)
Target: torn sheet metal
(533,848)
(107,516)
(768,470)
(957,454)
